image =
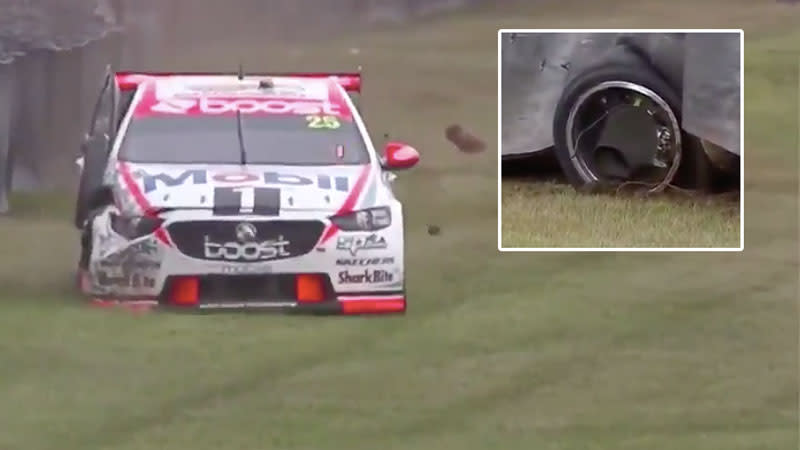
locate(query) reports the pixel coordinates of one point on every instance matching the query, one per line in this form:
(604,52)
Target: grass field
(545,214)
(508,351)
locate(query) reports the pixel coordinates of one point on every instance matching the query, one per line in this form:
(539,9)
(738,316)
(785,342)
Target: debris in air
(464,141)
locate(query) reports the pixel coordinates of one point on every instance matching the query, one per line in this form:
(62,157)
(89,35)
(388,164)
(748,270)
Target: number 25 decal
(262,201)
(323,122)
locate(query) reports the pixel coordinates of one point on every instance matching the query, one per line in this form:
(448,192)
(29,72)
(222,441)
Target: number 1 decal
(231,201)
(323,122)
(247,199)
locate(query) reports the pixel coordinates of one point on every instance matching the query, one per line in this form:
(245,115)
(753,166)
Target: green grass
(546,214)
(513,351)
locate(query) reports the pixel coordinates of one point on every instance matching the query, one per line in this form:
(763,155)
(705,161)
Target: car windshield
(275,139)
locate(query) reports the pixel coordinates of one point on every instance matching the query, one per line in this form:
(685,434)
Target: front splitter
(372,305)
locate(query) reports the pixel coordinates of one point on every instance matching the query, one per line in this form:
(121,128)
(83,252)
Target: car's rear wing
(350,81)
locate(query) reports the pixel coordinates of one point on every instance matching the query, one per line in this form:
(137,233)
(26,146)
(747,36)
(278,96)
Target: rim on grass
(595,109)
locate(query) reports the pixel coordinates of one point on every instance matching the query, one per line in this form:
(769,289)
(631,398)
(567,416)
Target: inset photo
(620,140)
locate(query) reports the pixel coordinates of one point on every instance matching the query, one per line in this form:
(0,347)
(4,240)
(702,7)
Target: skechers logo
(365,261)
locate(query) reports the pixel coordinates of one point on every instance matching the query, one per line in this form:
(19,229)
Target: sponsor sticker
(133,280)
(140,256)
(237,90)
(154,181)
(318,122)
(246,251)
(244,269)
(213,106)
(362,262)
(209,96)
(355,244)
(367,276)
(142,265)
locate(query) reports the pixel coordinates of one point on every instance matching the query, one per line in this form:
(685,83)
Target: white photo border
(500,33)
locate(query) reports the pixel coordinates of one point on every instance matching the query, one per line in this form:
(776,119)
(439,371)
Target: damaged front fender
(120,266)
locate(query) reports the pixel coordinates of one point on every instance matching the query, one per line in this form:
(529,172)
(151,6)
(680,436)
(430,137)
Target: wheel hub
(630,121)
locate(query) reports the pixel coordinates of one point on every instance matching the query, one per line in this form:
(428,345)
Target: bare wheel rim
(594,106)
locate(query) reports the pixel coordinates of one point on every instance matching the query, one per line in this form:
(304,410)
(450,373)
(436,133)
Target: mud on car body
(229,192)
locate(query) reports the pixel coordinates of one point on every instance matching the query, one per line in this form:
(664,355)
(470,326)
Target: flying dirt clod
(464,141)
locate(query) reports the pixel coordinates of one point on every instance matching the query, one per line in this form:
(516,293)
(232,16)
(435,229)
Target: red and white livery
(219,192)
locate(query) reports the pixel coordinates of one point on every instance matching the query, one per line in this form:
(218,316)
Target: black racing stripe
(227,202)
(267,202)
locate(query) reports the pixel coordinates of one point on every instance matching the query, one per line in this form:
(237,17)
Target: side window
(124,100)
(356,99)
(114,115)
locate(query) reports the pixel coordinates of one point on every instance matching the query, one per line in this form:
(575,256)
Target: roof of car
(213,95)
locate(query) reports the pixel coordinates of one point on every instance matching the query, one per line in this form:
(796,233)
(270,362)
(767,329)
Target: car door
(95,149)
(102,125)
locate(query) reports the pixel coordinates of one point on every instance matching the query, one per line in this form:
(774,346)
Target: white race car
(216,191)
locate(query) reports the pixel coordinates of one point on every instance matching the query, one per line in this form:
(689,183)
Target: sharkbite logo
(367,276)
(213,106)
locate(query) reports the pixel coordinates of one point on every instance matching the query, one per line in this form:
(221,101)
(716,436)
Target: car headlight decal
(370,219)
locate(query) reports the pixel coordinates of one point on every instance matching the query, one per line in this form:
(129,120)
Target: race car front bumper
(348,273)
(288,294)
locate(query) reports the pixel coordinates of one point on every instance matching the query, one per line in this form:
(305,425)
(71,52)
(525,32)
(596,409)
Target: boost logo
(249,251)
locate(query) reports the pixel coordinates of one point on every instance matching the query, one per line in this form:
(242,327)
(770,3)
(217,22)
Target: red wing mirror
(398,155)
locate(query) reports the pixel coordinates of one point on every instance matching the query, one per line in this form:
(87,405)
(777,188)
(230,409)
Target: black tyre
(618,120)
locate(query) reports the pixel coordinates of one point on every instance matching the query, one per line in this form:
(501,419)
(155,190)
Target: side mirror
(398,155)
